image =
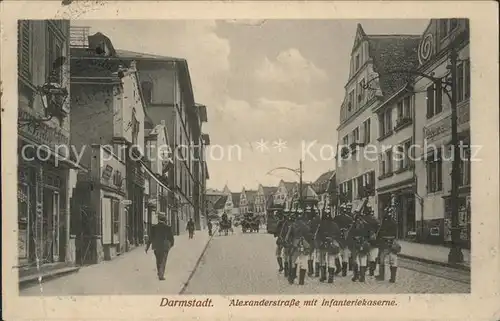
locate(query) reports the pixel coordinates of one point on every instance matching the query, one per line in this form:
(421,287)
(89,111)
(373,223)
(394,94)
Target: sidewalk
(434,254)
(133,273)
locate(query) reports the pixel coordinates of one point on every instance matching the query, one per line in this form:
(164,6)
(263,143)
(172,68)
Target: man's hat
(162,217)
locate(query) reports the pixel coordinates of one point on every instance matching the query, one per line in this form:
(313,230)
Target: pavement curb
(184,287)
(29,280)
(450,265)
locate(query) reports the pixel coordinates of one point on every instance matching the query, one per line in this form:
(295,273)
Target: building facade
(260,201)
(168,95)
(159,162)
(433,130)
(324,186)
(247,201)
(371,82)
(109,112)
(46,175)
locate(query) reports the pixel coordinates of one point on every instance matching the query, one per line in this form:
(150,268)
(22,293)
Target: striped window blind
(24,29)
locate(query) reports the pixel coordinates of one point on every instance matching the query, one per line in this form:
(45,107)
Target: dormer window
(356,65)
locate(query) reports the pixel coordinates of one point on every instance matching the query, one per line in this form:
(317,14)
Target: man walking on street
(190,228)
(162,240)
(209,225)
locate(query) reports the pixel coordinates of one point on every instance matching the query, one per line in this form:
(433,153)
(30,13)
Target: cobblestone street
(134,273)
(245,264)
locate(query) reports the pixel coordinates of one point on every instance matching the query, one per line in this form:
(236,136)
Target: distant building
(325,188)
(247,201)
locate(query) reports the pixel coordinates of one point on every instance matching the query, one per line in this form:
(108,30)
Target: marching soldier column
(313,241)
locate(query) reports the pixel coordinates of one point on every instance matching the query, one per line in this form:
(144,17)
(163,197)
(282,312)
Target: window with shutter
(460,82)
(25,49)
(430,101)
(467,79)
(55,53)
(439,98)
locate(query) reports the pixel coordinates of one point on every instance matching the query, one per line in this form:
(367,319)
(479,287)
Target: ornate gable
(360,36)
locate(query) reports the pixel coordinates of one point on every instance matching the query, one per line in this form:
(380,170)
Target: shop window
(434,167)
(23,208)
(115,205)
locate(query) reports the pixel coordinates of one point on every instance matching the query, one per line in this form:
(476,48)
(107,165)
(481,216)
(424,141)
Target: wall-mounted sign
(443,127)
(106,173)
(126,202)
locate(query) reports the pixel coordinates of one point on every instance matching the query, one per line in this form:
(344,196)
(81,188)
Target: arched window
(147,91)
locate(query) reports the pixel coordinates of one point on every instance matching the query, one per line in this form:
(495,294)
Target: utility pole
(455,255)
(300,183)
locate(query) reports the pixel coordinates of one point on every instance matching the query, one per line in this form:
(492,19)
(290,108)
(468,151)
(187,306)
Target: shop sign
(42,133)
(22,243)
(443,127)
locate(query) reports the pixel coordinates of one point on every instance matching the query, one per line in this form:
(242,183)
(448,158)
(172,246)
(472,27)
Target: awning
(60,159)
(150,172)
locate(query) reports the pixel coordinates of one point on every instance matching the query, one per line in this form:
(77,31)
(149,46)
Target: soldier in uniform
(387,242)
(328,236)
(373,226)
(360,247)
(316,253)
(279,243)
(344,222)
(291,274)
(299,237)
(348,211)
(312,220)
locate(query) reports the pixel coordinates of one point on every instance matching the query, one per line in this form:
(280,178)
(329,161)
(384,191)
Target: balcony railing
(79,37)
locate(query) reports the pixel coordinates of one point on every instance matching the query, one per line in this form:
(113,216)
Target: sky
(272,88)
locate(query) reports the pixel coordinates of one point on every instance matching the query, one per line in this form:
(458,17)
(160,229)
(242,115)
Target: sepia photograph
(244,157)
(243,160)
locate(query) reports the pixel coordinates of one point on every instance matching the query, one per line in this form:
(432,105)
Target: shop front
(135,189)
(43,209)
(405,210)
(464,219)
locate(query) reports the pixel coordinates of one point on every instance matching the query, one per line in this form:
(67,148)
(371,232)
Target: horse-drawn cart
(250,223)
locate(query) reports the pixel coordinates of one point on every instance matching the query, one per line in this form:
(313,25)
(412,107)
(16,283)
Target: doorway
(50,225)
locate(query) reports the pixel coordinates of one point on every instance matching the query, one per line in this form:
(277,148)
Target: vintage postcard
(250,160)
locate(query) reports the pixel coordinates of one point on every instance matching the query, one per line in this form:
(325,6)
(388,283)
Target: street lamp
(53,97)
(297,172)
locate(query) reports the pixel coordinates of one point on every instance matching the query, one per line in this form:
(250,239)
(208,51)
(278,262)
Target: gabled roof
(324,177)
(235,199)
(289,185)
(392,53)
(250,196)
(321,185)
(140,55)
(269,190)
(220,203)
